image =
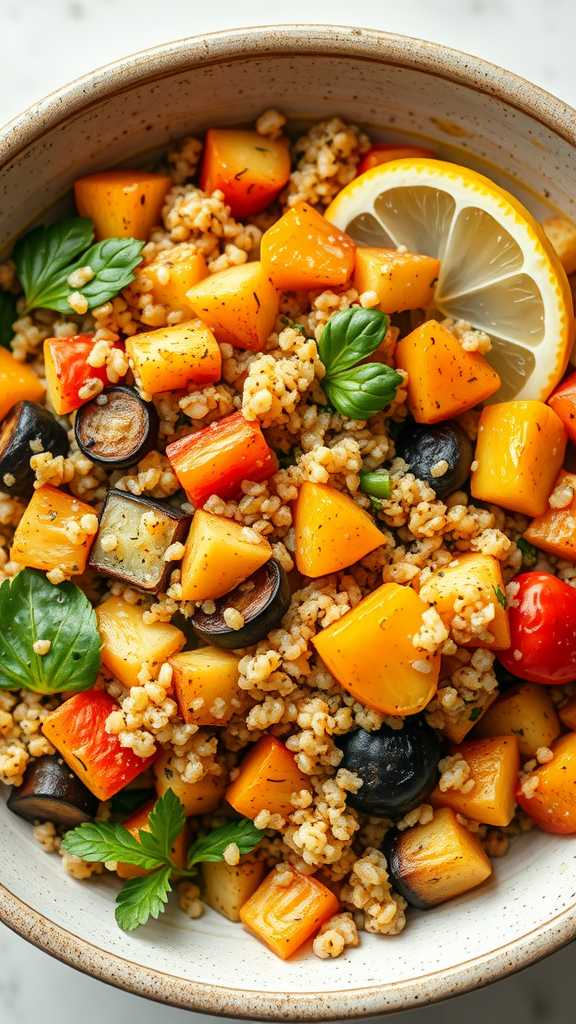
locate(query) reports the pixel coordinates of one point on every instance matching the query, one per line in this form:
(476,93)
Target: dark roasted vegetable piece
(431,863)
(262,600)
(425,446)
(52,792)
(117,428)
(398,767)
(137,545)
(25,423)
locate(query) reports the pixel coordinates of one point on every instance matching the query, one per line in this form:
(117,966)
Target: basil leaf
(129,800)
(362,391)
(104,841)
(166,821)
(142,898)
(112,261)
(8,316)
(349,337)
(33,609)
(43,253)
(211,847)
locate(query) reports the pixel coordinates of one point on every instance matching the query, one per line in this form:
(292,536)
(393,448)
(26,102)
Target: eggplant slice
(133,537)
(262,600)
(52,792)
(117,428)
(25,425)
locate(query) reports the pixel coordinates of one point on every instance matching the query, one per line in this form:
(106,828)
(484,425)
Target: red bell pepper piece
(217,459)
(382,152)
(563,402)
(77,730)
(542,620)
(67,370)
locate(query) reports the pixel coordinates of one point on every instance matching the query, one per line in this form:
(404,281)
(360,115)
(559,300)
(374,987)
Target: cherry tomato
(382,152)
(542,621)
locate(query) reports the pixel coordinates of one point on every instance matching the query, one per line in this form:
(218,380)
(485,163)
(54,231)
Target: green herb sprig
(45,258)
(529,552)
(144,897)
(356,391)
(33,609)
(500,597)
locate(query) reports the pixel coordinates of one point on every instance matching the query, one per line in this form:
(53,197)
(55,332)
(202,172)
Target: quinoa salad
(288,562)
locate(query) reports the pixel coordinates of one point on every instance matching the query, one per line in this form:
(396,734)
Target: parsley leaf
(33,609)
(8,315)
(166,821)
(350,336)
(290,323)
(106,841)
(142,898)
(46,257)
(474,714)
(528,550)
(500,597)
(211,847)
(363,391)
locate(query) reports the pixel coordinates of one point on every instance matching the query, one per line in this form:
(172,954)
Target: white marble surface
(45,43)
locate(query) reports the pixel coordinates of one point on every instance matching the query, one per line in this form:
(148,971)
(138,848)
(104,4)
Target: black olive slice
(438,448)
(52,792)
(398,767)
(27,430)
(117,428)
(262,600)
(133,536)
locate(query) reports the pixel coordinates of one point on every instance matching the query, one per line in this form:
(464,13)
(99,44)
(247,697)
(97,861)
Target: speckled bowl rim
(149,65)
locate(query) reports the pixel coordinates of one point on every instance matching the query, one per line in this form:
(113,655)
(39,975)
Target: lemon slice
(498,269)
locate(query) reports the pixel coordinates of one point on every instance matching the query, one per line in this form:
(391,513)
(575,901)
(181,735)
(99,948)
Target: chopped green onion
(376,483)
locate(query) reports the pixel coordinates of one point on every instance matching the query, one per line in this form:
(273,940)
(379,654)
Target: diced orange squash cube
(50,534)
(172,273)
(471,579)
(552,804)
(218,557)
(303,250)
(443,379)
(129,643)
(77,728)
(567,715)
(227,887)
(555,531)
(401,280)
(239,305)
(267,778)
(198,797)
(172,357)
(138,822)
(457,728)
(248,168)
(371,654)
(122,203)
(208,677)
(284,916)
(519,452)
(494,763)
(18,383)
(432,863)
(526,712)
(332,530)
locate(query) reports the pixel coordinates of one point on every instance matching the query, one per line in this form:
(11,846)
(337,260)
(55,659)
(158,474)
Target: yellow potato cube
(171,357)
(227,888)
(525,711)
(172,273)
(129,643)
(519,452)
(206,682)
(219,556)
(52,533)
(239,304)
(401,280)
(471,581)
(198,797)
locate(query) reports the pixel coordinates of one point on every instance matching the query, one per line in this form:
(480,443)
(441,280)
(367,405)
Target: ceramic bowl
(399,88)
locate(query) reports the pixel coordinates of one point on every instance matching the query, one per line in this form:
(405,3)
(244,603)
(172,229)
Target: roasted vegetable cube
(239,305)
(78,731)
(257,606)
(401,280)
(220,554)
(55,532)
(284,916)
(134,535)
(227,887)
(129,643)
(303,250)
(122,203)
(198,797)
(494,764)
(172,273)
(171,357)
(526,712)
(555,531)
(248,168)
(206,684)
(332,530)
(68,372)
(471,580)
(267,779)
(552,803)
(18,382)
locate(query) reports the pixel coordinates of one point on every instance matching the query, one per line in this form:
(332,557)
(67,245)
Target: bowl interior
(399,89)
